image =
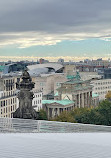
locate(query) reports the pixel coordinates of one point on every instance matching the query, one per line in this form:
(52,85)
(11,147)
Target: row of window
(7,102)
(8,81)
(37,96)
(102,83)
(9,88)
(103,92)
(8,94)
(37,102)
(100,88)
(8,109)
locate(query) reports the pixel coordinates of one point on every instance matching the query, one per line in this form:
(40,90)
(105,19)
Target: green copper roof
(95,95)
(56,94)
(62,102)
(72,77)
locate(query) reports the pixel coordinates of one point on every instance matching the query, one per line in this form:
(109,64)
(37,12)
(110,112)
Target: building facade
(48,83)
(54,108)
(78,91)
(8,99)
(37,100)
(101,87)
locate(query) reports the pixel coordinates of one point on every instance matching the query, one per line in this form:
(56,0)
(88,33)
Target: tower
(25,97)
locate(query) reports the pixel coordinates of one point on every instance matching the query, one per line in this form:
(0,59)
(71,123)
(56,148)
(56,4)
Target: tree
(42,115)
(100,115)
(108,95)
(81,115)
(104,109)
(65,117)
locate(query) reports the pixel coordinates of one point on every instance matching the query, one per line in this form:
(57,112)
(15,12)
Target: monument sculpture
(25,97)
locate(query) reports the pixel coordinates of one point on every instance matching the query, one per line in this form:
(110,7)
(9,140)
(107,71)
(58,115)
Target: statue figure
(25,97)
(72,77)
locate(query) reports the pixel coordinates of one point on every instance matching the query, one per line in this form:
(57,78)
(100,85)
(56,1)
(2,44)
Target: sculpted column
(79,100)
(48,112)
(83,100)
(53,114)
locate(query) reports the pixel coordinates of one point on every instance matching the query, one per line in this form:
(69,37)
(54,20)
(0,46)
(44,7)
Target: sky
(69,29)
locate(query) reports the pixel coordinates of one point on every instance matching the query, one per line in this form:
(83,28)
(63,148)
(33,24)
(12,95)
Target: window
(4,103)
(1,103)
(6,109)
(13,100)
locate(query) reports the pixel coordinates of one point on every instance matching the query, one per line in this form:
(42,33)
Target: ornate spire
(25,97)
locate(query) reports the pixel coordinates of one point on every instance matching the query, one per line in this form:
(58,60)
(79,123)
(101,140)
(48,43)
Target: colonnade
(84,99)
(53,112)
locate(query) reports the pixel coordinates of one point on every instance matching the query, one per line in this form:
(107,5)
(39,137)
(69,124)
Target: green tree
(42,115)
(104,109)
(81,115)
(65,117)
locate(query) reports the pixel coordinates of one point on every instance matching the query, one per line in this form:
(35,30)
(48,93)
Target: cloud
(26,23)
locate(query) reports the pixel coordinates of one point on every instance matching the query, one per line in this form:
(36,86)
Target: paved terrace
(8,125)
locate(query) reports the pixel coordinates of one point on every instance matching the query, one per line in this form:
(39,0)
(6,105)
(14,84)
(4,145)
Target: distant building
(15,67)
(48,83)
(61,61)
(54,108)
(101,87)
(8,99)
(89,75)
(37,100)
(51,67)
(69,69)
(72,93)
(100,62)
(42,61)
(78,91)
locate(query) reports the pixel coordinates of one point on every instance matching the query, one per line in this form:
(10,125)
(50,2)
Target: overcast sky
(55,28)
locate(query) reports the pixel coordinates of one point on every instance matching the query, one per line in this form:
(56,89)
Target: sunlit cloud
(29,39)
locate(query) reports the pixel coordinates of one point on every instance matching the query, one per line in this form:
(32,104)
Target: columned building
(54,108)
(72,93)
(76,90)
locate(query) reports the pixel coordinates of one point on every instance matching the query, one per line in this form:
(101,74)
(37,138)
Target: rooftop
(62,102)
